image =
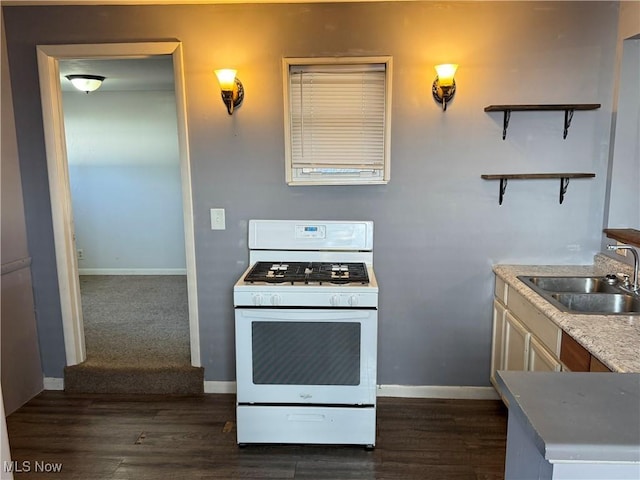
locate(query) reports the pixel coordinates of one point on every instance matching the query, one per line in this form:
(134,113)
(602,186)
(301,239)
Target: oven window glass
(306,353)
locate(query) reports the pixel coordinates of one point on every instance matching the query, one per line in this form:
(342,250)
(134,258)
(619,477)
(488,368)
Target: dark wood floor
(139,437)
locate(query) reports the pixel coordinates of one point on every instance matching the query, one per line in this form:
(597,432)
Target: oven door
(308,356)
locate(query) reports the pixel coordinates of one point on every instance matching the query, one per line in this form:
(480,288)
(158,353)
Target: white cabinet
(540,360)
(523,337)
(497,341)
(516,344)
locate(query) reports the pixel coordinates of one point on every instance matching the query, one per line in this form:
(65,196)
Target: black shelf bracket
(564,183)
(505,123)
(568,116)
(503,188)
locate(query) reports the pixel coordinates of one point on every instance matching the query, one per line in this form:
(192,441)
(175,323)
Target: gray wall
(438,226)
(622,201)
(21,369)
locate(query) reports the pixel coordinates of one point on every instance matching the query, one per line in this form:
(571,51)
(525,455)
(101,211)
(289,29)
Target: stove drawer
(320,425)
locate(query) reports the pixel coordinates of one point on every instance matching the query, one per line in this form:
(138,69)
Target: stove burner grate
(308,272)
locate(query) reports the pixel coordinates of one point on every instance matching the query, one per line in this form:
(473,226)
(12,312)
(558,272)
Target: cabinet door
(516,344)
(540,360)
(497,341)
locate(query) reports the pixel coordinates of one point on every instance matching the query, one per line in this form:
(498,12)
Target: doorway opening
(50,60)
(124,175)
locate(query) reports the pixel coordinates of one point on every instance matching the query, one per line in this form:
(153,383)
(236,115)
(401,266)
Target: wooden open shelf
(564,180)
(630,236)
(568,109)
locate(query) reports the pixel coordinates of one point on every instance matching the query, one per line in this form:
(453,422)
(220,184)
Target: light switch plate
(217,219)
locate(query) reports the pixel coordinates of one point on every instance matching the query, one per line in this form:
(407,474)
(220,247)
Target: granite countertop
(612,339)
(577,417)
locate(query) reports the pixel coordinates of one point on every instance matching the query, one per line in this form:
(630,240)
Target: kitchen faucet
(634,284)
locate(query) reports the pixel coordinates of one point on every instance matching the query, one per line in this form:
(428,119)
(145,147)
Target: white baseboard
(52,383)
(132,271)
(401,391)
(434,391)
(219,387)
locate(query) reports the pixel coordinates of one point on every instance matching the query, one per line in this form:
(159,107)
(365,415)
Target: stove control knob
(335,300)
(353,300)
(257,300)
(276,300)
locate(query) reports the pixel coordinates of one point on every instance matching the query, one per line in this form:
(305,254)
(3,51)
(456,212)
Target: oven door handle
(304,314)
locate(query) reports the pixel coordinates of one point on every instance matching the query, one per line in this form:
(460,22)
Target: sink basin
(588,295)
(599,302)
(572,284)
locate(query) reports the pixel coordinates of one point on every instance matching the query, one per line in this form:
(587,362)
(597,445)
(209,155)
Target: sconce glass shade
(86,83)
(444,86)
(226,78)
(231,88)
(446,71)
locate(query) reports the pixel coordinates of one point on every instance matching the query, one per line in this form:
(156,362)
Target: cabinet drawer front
(538,324)
(501,290)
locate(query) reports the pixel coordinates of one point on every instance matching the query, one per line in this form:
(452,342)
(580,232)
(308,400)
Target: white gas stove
(306,334)
(308,264)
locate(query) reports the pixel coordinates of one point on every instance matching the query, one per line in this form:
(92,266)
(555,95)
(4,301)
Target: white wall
(125,181)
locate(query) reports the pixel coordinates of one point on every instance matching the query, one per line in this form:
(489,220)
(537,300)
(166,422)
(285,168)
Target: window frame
(294,175)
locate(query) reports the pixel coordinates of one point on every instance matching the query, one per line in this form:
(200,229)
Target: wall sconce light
(231,88)
(444,86)
(86,83)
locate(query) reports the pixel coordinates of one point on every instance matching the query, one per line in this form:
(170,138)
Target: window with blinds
(337,126)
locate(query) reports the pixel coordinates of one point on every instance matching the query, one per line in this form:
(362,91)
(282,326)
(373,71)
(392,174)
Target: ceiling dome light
(86,83)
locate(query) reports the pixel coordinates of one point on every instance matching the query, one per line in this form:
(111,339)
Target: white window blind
(338,123)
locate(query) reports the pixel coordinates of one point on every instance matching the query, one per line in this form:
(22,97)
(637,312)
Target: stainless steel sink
(585,295)
(599,302)
(573,284)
